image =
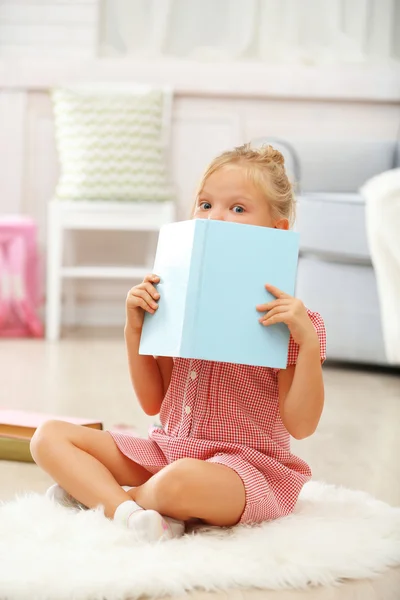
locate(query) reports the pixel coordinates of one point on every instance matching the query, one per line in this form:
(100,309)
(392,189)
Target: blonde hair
(265,167)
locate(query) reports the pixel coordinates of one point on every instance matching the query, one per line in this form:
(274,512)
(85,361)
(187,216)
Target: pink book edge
(23,418)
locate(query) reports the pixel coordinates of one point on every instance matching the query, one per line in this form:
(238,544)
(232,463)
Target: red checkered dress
(229,414)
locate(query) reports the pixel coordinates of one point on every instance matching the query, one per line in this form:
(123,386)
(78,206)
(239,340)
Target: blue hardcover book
(213,275)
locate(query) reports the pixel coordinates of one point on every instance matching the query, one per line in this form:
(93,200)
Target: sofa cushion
(346,297)
(333,224)
(110,143)
(342,166)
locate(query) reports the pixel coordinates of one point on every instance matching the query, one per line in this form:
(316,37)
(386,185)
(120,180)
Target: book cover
(24,423)
(213,275)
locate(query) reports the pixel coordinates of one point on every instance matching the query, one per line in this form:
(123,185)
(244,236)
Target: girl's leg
(86,463)
(190,488)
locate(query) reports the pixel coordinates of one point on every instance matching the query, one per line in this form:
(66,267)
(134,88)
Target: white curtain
(274,31)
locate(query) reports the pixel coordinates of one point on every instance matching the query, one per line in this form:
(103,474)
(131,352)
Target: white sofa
(335,276)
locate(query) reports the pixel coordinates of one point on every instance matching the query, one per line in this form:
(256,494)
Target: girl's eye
(205,205)
(238,209)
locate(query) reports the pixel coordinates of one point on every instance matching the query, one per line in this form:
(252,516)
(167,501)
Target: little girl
(223,452)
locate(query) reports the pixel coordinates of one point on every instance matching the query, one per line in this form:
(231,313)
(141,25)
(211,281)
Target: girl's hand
(141,298)
(291,311)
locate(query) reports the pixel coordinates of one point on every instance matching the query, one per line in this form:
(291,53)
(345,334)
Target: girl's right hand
(141,298)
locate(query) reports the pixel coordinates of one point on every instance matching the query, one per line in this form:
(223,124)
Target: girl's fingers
(149,287)
(275,311)
(142,293)
(138,293)
(152,278)
(140,303)
(273,304)
(279,316)
(276,291)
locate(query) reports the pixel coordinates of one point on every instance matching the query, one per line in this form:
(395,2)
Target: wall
(215,107)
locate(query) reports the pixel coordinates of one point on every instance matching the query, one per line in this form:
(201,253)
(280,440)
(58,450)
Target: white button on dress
(188,410)
(193,375)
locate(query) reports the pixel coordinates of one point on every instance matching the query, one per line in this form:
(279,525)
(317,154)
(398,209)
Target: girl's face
(228,195)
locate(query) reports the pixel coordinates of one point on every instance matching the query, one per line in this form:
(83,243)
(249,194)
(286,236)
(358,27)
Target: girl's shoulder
(317,321)
(319,327)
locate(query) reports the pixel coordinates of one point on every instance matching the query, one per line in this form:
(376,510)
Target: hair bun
(271,154)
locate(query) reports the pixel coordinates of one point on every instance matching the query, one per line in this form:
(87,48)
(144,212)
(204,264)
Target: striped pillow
(110,145)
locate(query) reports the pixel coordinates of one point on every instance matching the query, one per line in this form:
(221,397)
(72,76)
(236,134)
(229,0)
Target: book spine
(16,449)
(192,304)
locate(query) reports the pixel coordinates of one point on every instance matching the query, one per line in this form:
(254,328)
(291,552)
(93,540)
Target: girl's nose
(216,215)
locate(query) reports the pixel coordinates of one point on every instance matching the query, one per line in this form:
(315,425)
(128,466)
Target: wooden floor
(356,445)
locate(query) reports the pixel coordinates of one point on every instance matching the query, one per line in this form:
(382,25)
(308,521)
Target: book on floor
(23,423)
(212,277)
(15,448)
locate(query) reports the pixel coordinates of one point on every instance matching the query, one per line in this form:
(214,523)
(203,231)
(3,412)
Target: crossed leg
(88,465)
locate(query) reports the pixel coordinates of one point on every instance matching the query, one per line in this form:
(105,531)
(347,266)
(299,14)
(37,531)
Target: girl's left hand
(289,310)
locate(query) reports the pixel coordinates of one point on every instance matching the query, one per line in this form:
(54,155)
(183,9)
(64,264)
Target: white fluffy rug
(50,552)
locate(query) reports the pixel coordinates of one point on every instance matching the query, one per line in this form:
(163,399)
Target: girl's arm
(150,376)
(301,386)
(301,392)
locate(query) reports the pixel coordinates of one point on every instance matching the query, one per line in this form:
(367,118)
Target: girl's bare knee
(170,486)
(45,438)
